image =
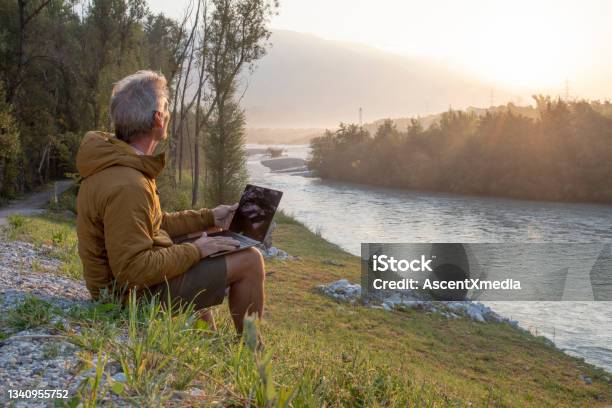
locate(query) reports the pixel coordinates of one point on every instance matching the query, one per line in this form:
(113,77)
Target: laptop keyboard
(243,240)
(240,238)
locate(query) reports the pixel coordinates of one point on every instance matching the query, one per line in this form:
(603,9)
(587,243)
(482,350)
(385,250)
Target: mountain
(308,82)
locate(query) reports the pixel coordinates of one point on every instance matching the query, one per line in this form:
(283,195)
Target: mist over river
(349,214)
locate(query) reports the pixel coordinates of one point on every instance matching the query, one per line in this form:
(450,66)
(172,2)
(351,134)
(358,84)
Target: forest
(60,58)
(563,154)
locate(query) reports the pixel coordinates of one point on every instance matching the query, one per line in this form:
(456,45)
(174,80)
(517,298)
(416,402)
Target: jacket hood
(100,150)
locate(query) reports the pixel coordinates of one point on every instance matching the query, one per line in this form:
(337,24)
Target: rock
(275,253)
(196,392)
(120,377)
(333,262)
(394,299)
(342,290)
(283,163)
(411,304)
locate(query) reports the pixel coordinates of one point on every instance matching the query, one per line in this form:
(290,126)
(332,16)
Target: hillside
(318,352)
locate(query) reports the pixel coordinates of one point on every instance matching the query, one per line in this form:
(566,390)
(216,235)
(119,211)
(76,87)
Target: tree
(225,160)
(10,149)
(58,67)
(233,38)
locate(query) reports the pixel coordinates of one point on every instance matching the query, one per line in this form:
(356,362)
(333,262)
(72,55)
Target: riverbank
(333,353)
(348,214)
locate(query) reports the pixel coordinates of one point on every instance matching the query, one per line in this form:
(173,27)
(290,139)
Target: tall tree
(237,38)
(225,160)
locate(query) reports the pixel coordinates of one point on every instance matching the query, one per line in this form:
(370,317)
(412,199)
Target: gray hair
(134,100)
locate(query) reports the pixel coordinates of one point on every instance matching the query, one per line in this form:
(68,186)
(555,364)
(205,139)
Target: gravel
(42,358)
(39,358)
(17,279)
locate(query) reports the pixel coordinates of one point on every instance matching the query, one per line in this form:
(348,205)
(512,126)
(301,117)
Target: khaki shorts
(203,284)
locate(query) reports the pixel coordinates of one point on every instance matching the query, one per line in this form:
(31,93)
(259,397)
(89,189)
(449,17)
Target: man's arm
(128,235)
(186,222)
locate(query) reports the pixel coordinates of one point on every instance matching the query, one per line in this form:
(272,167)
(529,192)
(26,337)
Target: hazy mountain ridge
(309,82)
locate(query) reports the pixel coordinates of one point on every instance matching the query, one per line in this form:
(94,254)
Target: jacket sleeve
(128,236)
(186,222)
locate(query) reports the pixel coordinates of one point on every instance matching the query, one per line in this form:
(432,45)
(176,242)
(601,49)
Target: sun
(521,60)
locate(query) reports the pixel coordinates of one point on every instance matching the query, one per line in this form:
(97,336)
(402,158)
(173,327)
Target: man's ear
(158,119)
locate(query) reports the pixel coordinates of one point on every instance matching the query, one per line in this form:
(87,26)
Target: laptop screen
(255,212)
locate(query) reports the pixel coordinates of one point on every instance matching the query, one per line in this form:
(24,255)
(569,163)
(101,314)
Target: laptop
(252,218)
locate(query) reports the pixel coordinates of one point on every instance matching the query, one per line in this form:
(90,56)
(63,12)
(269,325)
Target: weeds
(51,350)
(32,312)
(16,221)
(55,231)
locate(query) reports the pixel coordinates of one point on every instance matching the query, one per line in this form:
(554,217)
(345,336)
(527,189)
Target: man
(126,240)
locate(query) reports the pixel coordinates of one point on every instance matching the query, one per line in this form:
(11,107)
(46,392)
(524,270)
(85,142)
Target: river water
(349,214)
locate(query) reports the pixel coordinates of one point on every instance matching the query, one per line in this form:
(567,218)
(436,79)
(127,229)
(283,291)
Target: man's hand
(210,245)
(223,215)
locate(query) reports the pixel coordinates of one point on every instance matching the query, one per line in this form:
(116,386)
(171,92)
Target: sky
(520,45)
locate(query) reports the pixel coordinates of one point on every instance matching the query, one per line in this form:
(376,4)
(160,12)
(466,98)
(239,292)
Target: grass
(318,352)
(32,312)
(53,231)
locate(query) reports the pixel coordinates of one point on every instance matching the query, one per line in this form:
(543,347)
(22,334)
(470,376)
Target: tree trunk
(221,160)
(2,164)
(180,154)
(196,172)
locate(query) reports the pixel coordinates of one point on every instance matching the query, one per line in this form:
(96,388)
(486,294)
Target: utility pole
(360,117)
(567,90)
(492,98)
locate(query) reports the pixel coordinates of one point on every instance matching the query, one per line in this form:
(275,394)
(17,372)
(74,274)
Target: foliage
(225,160)
(58,63)
(57,66)
(10,149)
(563,155)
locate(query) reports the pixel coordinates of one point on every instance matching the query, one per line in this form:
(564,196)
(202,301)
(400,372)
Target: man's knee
(256,260)
(246,264)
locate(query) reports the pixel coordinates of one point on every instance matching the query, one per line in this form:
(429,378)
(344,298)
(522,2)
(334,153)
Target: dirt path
(33,203)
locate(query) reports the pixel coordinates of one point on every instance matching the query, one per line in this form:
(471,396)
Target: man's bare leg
(208,316)
(245,278)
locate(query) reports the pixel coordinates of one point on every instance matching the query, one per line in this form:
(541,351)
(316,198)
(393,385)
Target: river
(348,214)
